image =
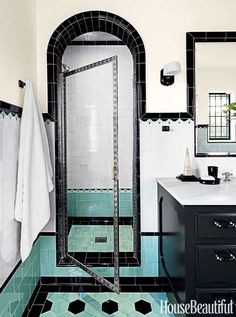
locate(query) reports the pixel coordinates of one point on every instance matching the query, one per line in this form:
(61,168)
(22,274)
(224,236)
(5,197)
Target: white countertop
(195,193)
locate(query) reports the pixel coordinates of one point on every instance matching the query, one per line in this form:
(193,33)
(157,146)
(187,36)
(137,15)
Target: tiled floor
(104,304)
(86,236)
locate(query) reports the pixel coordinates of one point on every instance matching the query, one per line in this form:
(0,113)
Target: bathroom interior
(137,103)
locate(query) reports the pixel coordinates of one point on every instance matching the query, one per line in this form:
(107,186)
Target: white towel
(32,207)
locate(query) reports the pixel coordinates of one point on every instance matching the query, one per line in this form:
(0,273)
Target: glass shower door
(91,162)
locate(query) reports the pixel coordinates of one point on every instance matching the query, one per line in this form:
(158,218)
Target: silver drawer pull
(224,256)
(222,223)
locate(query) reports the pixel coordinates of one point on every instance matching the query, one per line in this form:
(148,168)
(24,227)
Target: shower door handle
(113,172)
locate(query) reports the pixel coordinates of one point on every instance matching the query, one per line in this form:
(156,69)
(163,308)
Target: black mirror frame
(191,39)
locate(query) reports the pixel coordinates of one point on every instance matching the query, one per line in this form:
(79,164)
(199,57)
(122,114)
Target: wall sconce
(168,73)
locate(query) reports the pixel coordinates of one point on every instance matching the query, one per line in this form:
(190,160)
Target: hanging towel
(34,182)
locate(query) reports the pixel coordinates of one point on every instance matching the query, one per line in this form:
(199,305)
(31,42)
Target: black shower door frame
(63,219)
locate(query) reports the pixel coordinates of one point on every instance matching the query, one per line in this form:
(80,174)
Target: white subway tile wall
(90,115)
(51,225)
(162,155)
(9,228)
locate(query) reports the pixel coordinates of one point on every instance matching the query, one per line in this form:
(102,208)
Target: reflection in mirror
(215,69)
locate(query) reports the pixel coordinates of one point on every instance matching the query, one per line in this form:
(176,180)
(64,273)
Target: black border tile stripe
(16,110)
(106,259)
(10,108)
(149,234)
(97,221)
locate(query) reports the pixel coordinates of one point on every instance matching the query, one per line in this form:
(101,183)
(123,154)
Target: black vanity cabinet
(197,249)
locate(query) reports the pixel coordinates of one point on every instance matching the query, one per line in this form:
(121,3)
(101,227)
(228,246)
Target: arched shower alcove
(65,33)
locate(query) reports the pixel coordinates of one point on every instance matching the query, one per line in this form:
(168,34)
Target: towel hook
(21,84)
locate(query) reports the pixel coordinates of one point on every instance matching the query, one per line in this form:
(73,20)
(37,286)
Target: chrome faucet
(227,176)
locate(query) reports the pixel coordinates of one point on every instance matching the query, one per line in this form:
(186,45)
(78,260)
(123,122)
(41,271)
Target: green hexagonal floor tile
(85,314)
(93,304)
(126,306)
(49,314)
(65,314)
(60,306)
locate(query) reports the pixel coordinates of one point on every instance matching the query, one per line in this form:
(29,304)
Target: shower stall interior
(99,117)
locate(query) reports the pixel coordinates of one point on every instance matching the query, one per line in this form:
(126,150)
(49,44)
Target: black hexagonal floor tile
(143,307)
(110,307)
(47,306)
(76,306)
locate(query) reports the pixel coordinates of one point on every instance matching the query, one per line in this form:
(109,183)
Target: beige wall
(162,25)
(17,47)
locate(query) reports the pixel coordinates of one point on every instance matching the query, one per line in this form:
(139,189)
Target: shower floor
(82,238)
(104,304)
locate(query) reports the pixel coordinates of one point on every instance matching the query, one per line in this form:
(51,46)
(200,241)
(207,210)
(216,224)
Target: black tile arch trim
(88,22)
(16,110)
(65,33)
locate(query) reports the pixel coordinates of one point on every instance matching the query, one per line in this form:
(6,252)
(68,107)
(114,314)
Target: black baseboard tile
(48,234)
(57,284)
(150,234)
(33,297)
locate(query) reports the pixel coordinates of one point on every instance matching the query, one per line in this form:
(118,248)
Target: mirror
(214,87)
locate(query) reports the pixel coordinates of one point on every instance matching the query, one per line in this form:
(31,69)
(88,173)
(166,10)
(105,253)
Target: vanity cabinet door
(216,225)
(216,264)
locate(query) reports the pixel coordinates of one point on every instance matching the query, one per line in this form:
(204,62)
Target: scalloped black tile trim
(10,108)
(13,109)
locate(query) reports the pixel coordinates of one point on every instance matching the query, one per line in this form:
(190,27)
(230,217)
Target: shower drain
(100,239)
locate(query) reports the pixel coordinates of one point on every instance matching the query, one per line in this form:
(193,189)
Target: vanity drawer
(212,225)
(216,264)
